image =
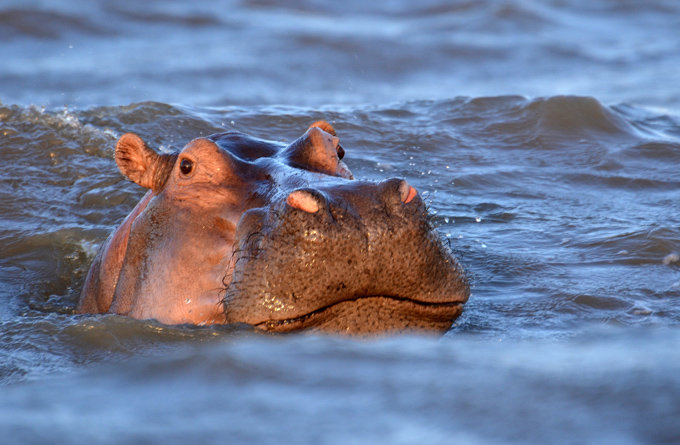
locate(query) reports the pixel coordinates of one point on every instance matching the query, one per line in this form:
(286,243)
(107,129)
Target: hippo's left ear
(318,150)
(141,164)
(325,126)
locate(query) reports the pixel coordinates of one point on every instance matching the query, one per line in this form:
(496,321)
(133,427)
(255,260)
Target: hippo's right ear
(318,150)
(141,164)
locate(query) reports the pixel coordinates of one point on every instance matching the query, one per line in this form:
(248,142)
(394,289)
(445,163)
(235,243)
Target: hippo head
(236,229)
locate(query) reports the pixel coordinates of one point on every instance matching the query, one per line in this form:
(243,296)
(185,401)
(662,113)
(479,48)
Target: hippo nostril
(303,200)
(406,192)
(341,151)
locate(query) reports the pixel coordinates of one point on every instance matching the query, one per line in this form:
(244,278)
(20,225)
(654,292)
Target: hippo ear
(325,126)
(318,150)
(141,164)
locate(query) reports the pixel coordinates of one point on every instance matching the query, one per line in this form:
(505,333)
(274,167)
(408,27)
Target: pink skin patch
(304,201)
(407,192)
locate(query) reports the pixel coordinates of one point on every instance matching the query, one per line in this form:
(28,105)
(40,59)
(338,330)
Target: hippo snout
(391,193)
(355,257)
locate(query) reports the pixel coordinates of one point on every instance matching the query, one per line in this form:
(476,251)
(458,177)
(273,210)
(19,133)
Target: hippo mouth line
(368,306)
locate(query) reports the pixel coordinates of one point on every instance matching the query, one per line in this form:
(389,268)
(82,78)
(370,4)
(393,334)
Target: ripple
(648,246)
(47,24)
(662,151)
(622,182)
(578,115)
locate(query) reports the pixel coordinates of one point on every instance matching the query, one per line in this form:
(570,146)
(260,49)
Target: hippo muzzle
(236,229)
(365,260)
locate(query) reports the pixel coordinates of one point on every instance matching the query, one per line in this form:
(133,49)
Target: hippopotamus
(281,237)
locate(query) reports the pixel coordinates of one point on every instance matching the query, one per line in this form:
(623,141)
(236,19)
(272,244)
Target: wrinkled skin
(240,230)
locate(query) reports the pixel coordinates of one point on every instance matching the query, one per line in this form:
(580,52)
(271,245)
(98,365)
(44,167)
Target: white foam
(670,259)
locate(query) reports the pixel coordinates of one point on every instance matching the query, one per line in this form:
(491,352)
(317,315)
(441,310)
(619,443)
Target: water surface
(544,136)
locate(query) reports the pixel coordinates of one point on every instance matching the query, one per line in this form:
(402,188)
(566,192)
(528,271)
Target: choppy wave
(564,211)
(314,53)
(401,391)
(544,137)
(530,191)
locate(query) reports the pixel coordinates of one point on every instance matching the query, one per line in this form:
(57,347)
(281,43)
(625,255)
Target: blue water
(544,136)
(307,52)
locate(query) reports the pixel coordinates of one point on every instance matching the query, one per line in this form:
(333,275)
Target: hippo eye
(186,166)
(341,152)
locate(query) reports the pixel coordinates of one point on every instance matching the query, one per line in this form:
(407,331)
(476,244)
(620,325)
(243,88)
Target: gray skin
(236,229)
